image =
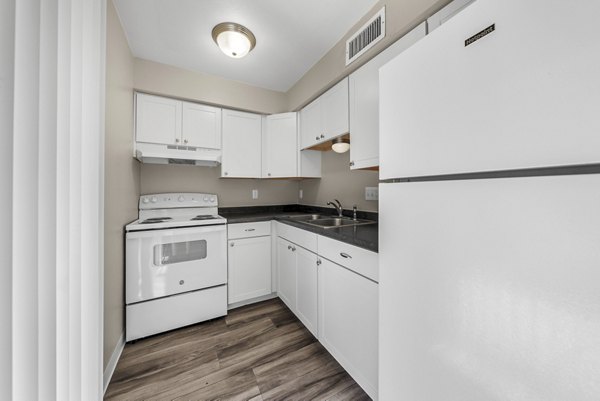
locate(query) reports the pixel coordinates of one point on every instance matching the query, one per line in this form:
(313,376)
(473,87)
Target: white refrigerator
(489,241)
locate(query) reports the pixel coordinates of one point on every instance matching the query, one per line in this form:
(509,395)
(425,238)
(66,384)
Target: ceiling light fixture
(340,144)
(233,39)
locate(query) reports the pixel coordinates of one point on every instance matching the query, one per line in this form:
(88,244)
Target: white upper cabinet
(364,102)
(326,117)
(201,125)
(487,92)
(280,151)
(158,119)
(164,121)
(334,105)
(242,133)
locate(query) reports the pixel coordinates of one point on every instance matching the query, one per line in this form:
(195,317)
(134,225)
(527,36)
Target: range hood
(172,154)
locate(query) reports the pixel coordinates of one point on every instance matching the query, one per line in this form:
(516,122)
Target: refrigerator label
(480,35)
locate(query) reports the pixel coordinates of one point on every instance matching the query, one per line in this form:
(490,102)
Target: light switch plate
(255,194)
(371,193)
(301,194)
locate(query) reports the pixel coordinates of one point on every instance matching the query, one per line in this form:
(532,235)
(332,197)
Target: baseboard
(252,301)
(112,362)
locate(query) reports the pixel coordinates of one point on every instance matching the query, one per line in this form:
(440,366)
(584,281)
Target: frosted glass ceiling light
(233,39)
(340,145)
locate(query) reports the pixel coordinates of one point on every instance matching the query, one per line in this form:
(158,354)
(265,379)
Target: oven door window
(177,252)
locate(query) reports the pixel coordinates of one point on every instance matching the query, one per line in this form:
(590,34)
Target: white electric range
(176,263)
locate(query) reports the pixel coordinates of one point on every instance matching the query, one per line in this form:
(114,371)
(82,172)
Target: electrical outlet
(255,194)
(371,193)
(301,194)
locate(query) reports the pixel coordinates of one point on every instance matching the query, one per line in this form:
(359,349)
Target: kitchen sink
(333,222)
(308,217)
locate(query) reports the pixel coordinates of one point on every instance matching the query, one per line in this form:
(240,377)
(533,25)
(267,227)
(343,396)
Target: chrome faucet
(338,207)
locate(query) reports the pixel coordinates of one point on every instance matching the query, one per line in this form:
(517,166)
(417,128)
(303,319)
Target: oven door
(160,263)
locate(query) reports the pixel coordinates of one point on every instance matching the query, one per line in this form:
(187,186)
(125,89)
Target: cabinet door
(306,297)
(280,146)
(158,119)
(335,110)
(286,266)
(249,268)
(364,102)
(348,322)
(311,124)
(201,126)
(241,144)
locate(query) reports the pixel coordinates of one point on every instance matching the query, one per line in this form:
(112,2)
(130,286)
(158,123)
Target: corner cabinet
(326,117)
(242,145)
(280,152)
(364,102)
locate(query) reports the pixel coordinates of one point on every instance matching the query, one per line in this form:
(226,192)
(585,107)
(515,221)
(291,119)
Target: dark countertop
(364,236)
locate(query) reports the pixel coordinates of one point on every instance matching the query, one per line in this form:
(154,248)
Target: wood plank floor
(257,352)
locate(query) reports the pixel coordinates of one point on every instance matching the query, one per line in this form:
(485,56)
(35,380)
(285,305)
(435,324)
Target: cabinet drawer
(304,238)
(361,261)
(248,230)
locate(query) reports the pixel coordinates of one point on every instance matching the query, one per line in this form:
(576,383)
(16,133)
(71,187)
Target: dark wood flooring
(257,352)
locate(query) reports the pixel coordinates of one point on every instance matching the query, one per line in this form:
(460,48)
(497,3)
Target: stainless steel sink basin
(308,217)
(333,222)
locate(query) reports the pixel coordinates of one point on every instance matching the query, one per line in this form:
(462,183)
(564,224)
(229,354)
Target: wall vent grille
(369,34)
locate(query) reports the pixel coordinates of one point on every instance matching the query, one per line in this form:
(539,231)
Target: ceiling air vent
(369,34)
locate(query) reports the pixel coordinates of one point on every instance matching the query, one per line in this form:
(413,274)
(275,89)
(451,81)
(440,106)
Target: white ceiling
(291,35)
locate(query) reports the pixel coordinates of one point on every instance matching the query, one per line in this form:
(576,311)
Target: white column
(51,204)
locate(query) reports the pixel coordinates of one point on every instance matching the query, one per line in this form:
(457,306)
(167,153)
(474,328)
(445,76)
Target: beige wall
(232,192)
(339,182)
(176,82)
(401,17)
(122,176)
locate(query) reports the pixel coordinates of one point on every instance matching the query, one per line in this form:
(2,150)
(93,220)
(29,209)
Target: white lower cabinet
(337,299)
(306,286)
(249,266)
(348,322)
(297,285)
(286,277)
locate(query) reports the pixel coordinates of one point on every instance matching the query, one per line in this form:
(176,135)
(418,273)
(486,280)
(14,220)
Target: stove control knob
(181,198)
(205,199)
(145,200)
(154,199)
(212,200)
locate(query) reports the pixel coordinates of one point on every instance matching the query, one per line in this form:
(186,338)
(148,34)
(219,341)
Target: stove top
(174,210)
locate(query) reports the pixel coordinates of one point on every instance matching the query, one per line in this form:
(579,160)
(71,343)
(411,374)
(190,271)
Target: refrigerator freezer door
(523,96)
(489,289)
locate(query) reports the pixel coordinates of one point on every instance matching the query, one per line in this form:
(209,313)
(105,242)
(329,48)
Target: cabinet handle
(351,164)
(345,255)
(231,244)
(322,136)
(269,174)
(293,249)
(250,229)
(289,247)
(317,137)
(225,173)
(319,262)
(176,140)
(185,141)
